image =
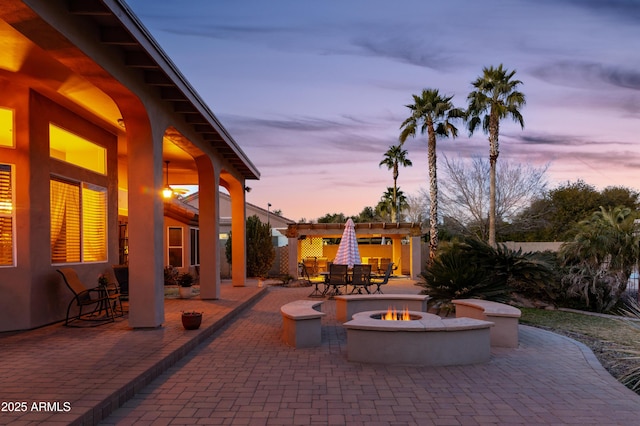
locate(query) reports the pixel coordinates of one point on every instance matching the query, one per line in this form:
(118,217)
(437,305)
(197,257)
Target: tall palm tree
(431,114)
(495,97)
(393,158)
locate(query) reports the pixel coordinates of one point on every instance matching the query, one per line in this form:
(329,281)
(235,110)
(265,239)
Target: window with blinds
(175,246)
(78,222)
(6,216)
(94,223)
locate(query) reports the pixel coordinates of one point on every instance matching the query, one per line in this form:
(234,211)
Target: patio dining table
(358,284)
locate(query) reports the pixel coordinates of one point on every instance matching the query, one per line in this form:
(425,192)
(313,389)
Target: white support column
(416,257)
(209,222)
(146,223)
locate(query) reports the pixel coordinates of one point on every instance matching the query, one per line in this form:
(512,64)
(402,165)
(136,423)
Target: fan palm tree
(495,97)
(387,205)
(393,158)
(431,113)
(601,257)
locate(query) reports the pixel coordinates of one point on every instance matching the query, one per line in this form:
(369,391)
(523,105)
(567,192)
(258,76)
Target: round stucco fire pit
(423,339)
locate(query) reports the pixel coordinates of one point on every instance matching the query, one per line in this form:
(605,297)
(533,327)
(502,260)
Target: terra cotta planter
(191,320)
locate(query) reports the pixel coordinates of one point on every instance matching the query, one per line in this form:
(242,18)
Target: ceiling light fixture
(167,192)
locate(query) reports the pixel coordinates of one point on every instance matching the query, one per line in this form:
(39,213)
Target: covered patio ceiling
(44,61)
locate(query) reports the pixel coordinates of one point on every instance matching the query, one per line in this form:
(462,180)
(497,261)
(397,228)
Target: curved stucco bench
(301,322)
(505,332)
(429,341)
(347,305)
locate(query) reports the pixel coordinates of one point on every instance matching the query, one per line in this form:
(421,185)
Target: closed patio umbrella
(348,253)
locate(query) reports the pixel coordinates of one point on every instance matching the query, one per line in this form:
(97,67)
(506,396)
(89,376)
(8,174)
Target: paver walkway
(238,371)
(246,375)
(95,370)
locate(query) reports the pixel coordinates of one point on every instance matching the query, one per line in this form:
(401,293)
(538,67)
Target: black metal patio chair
(361,278)
(97,305)
(384,280)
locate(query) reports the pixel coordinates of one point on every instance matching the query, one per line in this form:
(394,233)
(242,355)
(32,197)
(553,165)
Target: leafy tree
(601,257)
(554,216)
(333,218)
(431,113)
(368,214)
(260,250)
(614,196)
(495,97)
(393,158)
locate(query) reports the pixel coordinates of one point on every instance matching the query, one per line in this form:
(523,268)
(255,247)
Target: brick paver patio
(243,374)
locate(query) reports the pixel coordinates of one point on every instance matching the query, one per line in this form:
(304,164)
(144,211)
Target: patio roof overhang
(114,26)
(372,229)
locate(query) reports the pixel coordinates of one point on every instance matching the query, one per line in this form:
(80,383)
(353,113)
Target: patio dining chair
(361,278)
(97,305)
(311,264)
(383,265)
(384,280)
(337,278)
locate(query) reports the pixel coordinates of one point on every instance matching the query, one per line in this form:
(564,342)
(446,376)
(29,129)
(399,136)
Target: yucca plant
(631,363)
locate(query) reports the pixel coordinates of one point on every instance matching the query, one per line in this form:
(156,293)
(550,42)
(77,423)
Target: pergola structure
(297,233)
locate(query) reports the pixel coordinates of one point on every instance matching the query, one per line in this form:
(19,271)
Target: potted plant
(185,281)
(191,320)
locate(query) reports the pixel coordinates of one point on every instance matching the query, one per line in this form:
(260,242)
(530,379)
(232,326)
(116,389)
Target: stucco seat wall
(506,318)
(301,323)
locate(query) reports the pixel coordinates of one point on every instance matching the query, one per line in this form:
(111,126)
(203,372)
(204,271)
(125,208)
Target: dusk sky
(314,92)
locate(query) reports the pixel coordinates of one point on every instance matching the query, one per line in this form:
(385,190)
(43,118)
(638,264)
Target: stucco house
(91,111)
(279,225)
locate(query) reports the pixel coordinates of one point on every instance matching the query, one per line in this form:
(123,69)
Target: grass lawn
(607,337)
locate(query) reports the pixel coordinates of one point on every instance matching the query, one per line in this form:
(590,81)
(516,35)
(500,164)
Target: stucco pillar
(416,257)
(209,223)
(238,234)
(146,223)
(292,251)
(397,254)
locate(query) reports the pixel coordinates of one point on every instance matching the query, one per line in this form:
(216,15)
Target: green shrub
(260,250)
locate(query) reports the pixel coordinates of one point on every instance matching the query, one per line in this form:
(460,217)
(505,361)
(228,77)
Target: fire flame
(392,315)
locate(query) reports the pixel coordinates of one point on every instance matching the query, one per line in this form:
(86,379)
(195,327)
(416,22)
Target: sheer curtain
(65,221)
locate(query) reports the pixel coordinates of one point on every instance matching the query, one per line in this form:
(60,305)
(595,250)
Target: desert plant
(473,269)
